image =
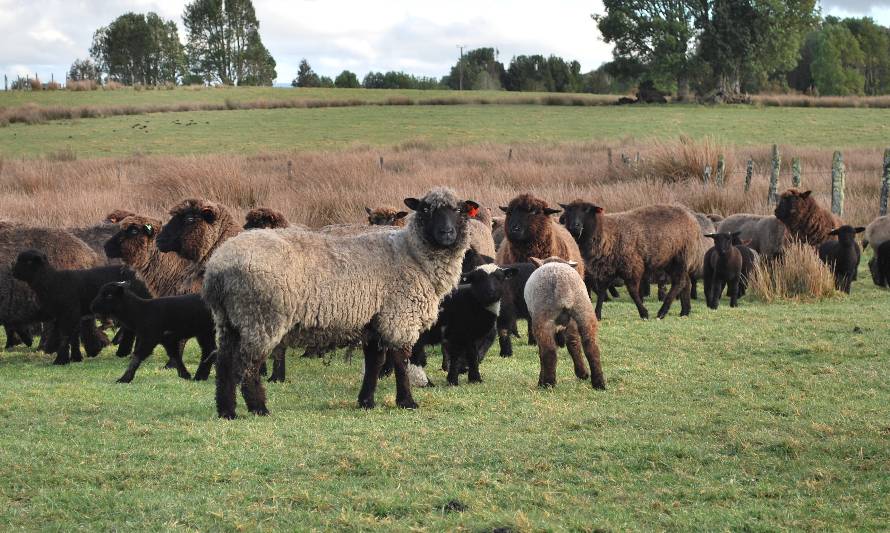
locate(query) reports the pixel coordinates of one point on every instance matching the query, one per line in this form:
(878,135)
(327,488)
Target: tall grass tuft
(798,275)
(686,159)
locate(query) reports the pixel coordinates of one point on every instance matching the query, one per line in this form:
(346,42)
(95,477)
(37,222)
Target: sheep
(513,308)
(18,303)
(876,234)
(265,218)
(167,321)
(805,219)
(466,323)
(556,296)
(842,255)
(530,231)
(707,226)
(750,258)
(268,288)
(65,295)
(723,266)
(647,241)
(386,216)
(879,265)
(117,215)
(715,218)
(196,229)
(163,274)
(96,236)
(497,231)
(766,233)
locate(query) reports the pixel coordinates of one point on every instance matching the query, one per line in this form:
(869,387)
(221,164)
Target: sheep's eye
(133,230)
(191,219)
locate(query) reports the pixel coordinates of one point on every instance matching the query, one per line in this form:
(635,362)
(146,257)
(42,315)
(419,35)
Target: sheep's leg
(127,340)
(613,291)
(600,298)
(485,344)
(49,338)
(506,322)
(171,362)
(374,358)
(531,334)
(678,278)
(573,343)
(142,351)
(403,385)
(473,357)
(587,329)
(662,291)
(208,358)
(547,350)
(253,391)
(173,346)
(418,355)
(633,288)
(455,358)
(734,292)
(93,338)
(74,341)
(685,294)
(278,364)
(225,384)
(12,337)
(693,291)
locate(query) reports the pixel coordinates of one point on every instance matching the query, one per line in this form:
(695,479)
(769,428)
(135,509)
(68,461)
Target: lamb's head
(440,218)
(793,204)
(723,241)
(110,299)
(134,241)
(117,215)
(265,218)
(580,218)
(846,233)
(552,259)
(29,264)
(386,216)
(194,229)
(527,218)
(487,282)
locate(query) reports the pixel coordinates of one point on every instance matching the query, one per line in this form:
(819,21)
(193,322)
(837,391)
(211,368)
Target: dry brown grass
(803,100)
(798,275)
(334,187)
(81,85)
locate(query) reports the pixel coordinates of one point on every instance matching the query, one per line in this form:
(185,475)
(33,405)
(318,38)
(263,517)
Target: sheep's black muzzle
(113,247)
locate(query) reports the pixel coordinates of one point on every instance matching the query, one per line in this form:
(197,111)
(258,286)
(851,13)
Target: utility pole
(461,66)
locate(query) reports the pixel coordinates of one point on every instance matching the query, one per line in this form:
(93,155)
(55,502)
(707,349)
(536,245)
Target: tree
(138,48)
(346,80)
(224,43)
(481,71)
(874,41)
(306,77)
(84,69)
(326,82)
(838,61)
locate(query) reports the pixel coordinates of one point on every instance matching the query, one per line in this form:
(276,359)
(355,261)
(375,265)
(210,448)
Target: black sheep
(65,295)
(167,321)
(842,255)
(513,308)
(467,318)
(750,257)
(879,265)
(723,266)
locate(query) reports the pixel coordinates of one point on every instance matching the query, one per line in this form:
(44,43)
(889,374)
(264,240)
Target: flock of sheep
(446,272)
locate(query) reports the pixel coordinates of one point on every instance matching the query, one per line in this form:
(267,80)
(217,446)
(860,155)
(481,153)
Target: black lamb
(879,265)
(65,296)
(842,255)
(723,266)
(513,308)
(167,321)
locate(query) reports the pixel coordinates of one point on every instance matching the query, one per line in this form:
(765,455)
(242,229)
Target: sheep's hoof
(407,404)
(601,385)
(510,354)
(125,379)
(170,364)
(276,379)
(228,416)
(366,403)
(77,358)
(546,384)
(60,362)
(583,376)
(477,380)
(185,375)
(202,376)
(260,411)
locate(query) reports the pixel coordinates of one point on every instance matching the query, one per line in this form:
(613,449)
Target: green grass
(252,131)
(758,418)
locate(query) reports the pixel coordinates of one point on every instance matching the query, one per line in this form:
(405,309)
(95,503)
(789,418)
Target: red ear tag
(473,212)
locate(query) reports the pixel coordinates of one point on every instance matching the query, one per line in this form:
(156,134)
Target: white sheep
(265,287)
(556,295)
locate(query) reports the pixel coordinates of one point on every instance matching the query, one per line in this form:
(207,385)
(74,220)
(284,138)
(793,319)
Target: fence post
(290,169)
(795,172)
(707,177)
(510,155)
(381,162)
(721,170)
(610,158)
(749,173)
(773,194)
(885,182)
(837,184)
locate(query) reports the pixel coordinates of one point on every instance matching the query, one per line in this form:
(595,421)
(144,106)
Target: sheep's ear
(834,231)
(597,209)
(509,272)
(551,211)
(401,214)
(859,229)
(735,233)
(413,204)
(806,194)
(572,264)
(502,208)
(208,214)
(368,210)
(564,206)
(535,261)
(711,235)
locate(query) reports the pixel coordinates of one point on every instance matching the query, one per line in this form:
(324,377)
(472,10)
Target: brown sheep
(805,219)
(386,216)
(767,234)
(648,241)
(196,228)
(265,218)
(163,274)
(117,215)
(530,231)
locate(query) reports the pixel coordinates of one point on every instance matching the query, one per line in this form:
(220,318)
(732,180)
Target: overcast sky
(417,36)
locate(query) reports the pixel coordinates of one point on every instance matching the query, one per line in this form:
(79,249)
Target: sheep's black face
(109,299)
(722,241)
(579,218)
(487,282)
(258,223)
(28,264)
(183,233)
(846,234)
(442,225)
(789,204)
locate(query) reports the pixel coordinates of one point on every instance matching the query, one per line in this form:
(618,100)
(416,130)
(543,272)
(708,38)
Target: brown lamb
(265,218)
(806,220)
(386,216)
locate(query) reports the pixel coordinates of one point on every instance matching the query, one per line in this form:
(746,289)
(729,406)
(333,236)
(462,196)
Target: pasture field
(273,130)
(758,418)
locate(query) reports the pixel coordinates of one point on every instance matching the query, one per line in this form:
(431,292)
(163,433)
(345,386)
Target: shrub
(798,275)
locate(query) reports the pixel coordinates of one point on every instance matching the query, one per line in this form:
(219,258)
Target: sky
(421,37)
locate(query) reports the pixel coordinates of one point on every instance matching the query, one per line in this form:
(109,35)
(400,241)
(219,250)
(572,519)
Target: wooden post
(885,182)
(510,155)
(837,184)
(707,176)
(773,195)
(610,158)
(290,169)
(795,172)
(5,83)
(381,162)
(721,171)
(749,173)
